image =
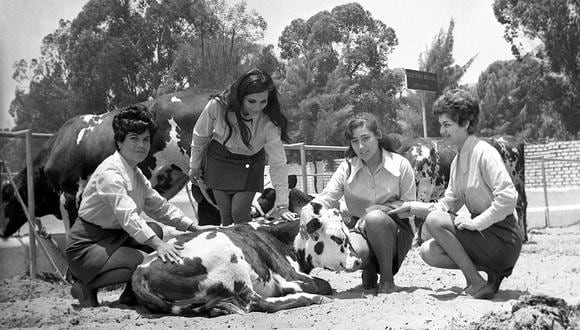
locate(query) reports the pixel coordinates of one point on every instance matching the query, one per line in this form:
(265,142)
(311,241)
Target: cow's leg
(521,208)
(299,283)
(64,214)
(275,304)
(68,210)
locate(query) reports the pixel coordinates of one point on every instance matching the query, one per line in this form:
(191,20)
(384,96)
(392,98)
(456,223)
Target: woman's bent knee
(379,220)
(437,220)
(426,250)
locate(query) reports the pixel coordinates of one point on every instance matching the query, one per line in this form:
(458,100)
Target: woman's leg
(131,242)
(440,225)
(224,202)
(369,262)
(241,203)
(119,268)
(434,255)
(381,233)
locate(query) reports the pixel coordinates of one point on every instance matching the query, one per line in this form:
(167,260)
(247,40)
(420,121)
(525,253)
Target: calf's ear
(316,207)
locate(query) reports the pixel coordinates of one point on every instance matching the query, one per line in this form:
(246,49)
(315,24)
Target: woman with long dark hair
(232,137)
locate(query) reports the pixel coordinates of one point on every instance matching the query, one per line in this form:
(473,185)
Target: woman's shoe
(86,297)
(369,279)
(485,292)
(494,279)
(388,287)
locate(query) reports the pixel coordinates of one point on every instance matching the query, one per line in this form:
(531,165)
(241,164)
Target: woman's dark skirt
(89,247)
(227,171)
(496,248)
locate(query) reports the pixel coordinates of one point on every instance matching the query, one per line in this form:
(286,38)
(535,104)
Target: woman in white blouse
(231,139)
(487,238)
(109,239)
(373,180)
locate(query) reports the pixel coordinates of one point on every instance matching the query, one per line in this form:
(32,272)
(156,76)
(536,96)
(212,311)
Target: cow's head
(327,244)
(13,217)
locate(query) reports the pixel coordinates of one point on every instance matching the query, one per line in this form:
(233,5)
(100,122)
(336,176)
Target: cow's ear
(316,207)
(313,225)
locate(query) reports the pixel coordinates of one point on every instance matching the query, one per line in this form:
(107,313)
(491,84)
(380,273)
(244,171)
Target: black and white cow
(67,159)
(248,267)
(431,160)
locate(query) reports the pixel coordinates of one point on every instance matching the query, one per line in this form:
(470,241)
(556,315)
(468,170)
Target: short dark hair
(365,119)
(133,119)
(460,106)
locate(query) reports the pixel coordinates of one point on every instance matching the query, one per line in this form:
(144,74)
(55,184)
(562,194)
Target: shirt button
(247,165)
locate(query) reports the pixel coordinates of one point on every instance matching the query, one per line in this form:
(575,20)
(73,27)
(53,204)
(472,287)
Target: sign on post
(422,80)
(425,81)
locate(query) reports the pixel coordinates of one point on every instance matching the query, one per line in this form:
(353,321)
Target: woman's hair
(460,106)
(251,82)
(133,119)
(365,119)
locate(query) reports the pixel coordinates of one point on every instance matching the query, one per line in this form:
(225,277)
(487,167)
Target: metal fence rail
(27,135)
(302,147)
(304,172)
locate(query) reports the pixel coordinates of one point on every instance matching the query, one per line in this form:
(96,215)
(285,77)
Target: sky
(416,22)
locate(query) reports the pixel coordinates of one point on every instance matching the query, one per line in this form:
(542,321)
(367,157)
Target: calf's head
(327,244)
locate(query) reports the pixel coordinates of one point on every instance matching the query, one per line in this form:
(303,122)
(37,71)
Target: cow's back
(79,147)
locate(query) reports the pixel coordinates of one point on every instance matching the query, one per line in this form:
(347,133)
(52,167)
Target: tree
(350,46)
(438,59)
(43,88)
(516,95)
(266,60)
(556,24)
(118,52)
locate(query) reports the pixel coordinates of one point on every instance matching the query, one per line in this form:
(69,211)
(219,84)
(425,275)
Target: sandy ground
(549,264)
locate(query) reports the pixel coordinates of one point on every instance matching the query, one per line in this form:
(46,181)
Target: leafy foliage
(337,66)
(515,95)
(556,25)
(118,52)
(330,66)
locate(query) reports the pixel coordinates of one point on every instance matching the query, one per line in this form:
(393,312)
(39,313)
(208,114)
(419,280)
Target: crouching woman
(488,238)
(109,238)
(373,180)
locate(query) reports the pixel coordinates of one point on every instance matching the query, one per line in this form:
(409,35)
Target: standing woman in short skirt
(488,238)
(232,137)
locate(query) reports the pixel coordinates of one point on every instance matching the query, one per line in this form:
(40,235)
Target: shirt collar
(127,172)
(388,163)
(466,151)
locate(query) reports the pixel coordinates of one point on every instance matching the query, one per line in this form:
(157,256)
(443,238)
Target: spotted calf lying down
(245,268)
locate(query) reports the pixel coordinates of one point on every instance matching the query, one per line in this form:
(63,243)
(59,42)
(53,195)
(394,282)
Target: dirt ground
(549,264)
